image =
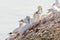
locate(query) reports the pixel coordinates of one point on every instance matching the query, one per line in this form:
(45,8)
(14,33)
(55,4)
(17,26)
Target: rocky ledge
(46,29)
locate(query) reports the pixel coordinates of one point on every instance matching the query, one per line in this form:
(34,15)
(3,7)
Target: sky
(11,11)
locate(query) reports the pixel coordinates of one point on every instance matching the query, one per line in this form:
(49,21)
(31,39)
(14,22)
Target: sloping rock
(46,29)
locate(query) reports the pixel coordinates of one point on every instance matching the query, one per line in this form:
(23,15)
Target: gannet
(22,24)
(11,37)
(55,7)
(37,14)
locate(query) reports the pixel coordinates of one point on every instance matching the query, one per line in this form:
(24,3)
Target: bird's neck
(40,11)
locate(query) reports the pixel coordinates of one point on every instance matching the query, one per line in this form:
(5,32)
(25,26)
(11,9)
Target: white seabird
(37,14)
(55,7)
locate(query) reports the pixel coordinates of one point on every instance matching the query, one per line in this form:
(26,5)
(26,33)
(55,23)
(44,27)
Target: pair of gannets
(23,26)
(55,7)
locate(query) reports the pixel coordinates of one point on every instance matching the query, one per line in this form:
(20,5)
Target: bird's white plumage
(56,8)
